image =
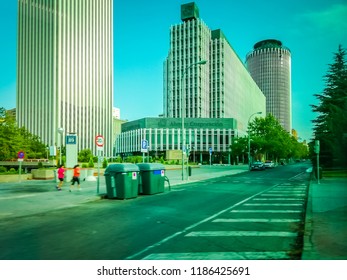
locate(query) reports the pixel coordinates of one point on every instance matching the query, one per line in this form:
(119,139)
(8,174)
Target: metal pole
(249,149)
(60,152)
(318,168)
(249,139)
(98,183)
(183,110)
(20,171)
(182,117)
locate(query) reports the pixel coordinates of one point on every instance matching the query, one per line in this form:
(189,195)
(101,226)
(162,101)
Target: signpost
(317,150)
(99,141)
(71,150)
(210,151)
(144,148)
(20,155)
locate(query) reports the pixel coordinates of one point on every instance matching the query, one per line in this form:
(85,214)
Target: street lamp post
(60,131)
(249,139)
(201,62)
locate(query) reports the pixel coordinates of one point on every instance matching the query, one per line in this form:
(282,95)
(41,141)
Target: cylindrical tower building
(270,66)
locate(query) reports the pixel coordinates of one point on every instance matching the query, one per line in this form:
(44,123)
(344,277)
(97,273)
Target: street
(251,215)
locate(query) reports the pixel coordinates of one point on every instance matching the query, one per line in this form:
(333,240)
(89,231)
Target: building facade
(270,66)
(65,70)
(222,88)
(189,43)
(165,134)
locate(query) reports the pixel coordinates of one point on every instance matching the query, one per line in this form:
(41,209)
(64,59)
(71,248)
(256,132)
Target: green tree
(14,139)
(270,140)
(330,126)
(85,155)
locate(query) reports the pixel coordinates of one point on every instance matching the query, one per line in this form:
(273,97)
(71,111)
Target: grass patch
(335,173)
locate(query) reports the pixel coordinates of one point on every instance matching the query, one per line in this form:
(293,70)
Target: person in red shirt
(61,172)
(76,177)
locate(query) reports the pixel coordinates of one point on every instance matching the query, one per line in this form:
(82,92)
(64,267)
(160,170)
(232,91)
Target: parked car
(257,165)
(269,164)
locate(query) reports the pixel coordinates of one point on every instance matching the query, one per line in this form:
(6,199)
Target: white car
(269,164)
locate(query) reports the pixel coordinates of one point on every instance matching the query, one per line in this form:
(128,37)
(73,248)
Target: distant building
(12,112)
(65,70)
(270,66)
(223,88)
(219,96)
(116,113)
(164,135)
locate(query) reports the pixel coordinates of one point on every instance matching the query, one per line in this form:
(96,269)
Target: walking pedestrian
(76,177)
(61,175)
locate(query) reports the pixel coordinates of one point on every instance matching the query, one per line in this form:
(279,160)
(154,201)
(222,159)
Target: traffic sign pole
(210,151)
(144,148)
(20,155)
(99,141)
(317,150)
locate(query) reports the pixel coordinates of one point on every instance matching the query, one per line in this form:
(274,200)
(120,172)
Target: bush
(104,163)
(40,165)
(3,169)
(91,162)
(119,160)
(12,171)
(84,165)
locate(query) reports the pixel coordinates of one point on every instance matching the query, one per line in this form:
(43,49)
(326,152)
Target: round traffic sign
(99,140)
(20,154)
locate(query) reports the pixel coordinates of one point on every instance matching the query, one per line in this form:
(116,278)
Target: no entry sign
(99,140)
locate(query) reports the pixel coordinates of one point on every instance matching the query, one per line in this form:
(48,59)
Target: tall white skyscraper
(65,70)
(270,66)
(190,43)
(223,88)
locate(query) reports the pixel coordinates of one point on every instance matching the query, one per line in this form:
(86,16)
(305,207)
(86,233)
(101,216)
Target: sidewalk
(325,236)
(40,196)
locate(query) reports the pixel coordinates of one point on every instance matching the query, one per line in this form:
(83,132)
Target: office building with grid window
(222,88)
(65,70)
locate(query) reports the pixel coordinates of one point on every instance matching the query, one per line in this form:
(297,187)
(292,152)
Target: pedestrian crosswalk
(265,226)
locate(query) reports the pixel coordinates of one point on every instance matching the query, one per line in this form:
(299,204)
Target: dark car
(257,165)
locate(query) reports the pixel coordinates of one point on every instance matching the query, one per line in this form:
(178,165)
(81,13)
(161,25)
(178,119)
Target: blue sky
(311,29)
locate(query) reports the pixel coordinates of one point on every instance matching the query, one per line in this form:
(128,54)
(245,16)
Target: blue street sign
(144,146)
(210,150)
(71,139)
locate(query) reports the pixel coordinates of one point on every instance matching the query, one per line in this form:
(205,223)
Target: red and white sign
(99,140)
(21,154)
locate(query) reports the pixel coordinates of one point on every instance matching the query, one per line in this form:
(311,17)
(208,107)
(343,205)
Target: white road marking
(293,191)
(279,194)
(289,189)
(273,204)
(134,256)
(256,220)
(18,196)
(220,256)
(276,198)
(266,211)
(242,233)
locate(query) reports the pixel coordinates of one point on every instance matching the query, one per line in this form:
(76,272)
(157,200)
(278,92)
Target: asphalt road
(253,215)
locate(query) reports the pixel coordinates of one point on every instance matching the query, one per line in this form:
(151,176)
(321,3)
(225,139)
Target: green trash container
(151,178)
(189,171)
(122,180)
